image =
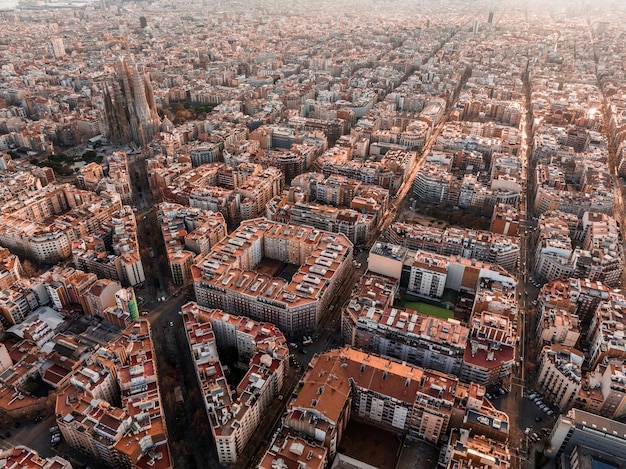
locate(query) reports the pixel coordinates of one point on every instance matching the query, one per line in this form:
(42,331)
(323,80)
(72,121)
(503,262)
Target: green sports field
(425,308)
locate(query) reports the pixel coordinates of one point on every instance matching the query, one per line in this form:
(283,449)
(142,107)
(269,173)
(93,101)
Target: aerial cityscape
(380,234)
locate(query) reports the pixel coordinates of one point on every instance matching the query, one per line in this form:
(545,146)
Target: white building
(559,375)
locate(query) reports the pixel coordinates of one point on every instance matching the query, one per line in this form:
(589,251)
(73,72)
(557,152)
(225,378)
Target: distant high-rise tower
(475,27)
(143,22)
(57,48)
(129,106)
(490,20)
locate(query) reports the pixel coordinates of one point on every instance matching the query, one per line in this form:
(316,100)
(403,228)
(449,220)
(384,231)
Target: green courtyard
(411,302)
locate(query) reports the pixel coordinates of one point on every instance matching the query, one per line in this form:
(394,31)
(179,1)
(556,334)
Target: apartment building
(553,256)
(557,325)
(122,261)
(119,176)
(188,232)
(604,391)
(406,335)
(101,295)
(293,161)
(559,376)
(206,152)
(288,448)
(505,220)
(467,450)
(490,354)
(582,429)
(349,384)
(428,275)
(26,228)
(16,303)
(433,181)
(60,287)
(133,436)
(27,458)
(235,416)
(462,274)
(604,256)
(229,277)
(368,172)
(354,225)
(581,297)
(472,244)
(606,334)
(97,380)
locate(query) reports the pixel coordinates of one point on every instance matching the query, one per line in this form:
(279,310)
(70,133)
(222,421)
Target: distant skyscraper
(490,20)
(129,106)
(143,22)
(57,48)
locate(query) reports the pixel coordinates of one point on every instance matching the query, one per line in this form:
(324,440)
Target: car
(550,412)
(170,323)
(53,429)
(533,395)
(144,313)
